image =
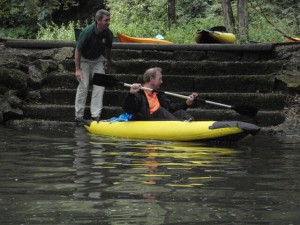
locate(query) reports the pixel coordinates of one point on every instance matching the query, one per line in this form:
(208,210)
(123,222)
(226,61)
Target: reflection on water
(72,177)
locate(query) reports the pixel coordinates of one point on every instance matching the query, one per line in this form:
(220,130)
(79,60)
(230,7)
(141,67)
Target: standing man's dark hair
(92,55)
(100,13)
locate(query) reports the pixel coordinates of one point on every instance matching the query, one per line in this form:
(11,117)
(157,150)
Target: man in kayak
(93,45)
(147,105)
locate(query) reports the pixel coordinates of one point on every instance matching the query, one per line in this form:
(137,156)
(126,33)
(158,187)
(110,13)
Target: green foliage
(54,32)
(147,18)
(291,16)
(155,11)
(187,10)
(14,12)
(19,32)
(287,10)
(179,33)
(132,18)
(264,19)
(137,11)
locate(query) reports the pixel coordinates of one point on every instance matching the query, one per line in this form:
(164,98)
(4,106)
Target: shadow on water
(72,177)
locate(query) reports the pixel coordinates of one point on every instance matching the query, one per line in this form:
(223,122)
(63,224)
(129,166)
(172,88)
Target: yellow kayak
(128,39)
(174,130)
(208,36)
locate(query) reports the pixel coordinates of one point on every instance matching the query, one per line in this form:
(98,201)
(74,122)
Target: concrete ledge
(40,124)
(44,44)
(196,47)
(37,44)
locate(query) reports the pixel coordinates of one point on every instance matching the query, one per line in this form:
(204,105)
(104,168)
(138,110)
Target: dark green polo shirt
(92,43)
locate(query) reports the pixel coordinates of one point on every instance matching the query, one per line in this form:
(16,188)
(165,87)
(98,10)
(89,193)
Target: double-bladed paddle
(107,80)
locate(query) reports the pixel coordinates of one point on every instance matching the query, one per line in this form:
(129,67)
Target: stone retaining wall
(24,72)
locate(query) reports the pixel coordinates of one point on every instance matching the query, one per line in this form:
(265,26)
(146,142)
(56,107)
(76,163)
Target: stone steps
(187,68)
(226,83)
(229,74)
(191,55)
(265,101)
(58,104)
(65,113)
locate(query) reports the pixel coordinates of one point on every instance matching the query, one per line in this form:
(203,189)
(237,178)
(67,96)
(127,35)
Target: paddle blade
(105,80)
(246,110)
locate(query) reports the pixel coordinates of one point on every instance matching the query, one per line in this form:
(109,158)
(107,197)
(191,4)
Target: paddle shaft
(103,80)
(182,96)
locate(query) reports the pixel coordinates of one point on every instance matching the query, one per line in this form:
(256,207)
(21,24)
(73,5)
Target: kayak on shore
(128,39)
(214,37)
(174,130)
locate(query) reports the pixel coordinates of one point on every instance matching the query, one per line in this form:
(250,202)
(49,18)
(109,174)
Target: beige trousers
(89,67)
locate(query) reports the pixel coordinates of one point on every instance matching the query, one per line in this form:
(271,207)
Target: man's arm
(108,62)
(78,71)
(130,104)
(108,52)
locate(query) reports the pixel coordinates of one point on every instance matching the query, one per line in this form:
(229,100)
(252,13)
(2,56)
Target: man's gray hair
(100,13)
(151,72)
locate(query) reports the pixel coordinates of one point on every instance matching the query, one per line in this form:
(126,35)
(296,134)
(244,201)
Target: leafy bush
(148,18)
(54,32)
(17,32)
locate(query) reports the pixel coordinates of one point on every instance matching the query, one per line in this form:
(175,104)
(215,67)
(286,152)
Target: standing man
(147,105)
(92,55)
